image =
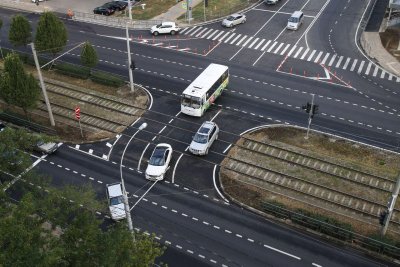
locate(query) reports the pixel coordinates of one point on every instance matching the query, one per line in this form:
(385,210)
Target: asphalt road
(186,211)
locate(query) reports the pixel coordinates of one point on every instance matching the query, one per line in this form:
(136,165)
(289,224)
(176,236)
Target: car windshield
(231,18)
(157,159)
(158,26)
(293,19)
(200,138)
(116,200)
(193,102)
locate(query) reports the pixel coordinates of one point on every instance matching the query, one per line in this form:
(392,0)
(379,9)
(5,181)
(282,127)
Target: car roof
(168,23)
(236,15)
(297,14)
(206,127)
(114,190)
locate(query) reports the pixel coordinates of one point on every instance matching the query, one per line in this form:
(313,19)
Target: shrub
(106,79)
(73,70)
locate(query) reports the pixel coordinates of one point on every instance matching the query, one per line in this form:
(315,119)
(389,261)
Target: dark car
(114,6)
(103,11)
(123,4)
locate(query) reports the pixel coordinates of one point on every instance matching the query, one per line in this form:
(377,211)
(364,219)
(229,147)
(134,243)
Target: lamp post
(126,203)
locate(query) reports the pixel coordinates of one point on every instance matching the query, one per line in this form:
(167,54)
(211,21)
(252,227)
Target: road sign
(78,113)
(184,5)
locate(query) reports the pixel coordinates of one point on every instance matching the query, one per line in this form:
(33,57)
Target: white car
(159,162)
(204,138)
(165,28)
(233,20)
(271,2)
(116,201)
(46,148)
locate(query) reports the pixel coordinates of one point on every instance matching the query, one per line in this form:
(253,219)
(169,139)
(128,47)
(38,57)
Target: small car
(233,20)
(2,126)
(46,147)
(116,6)
(103,11)
(271,2)
(116,201)
(204,138)
(159,162)
(165,28)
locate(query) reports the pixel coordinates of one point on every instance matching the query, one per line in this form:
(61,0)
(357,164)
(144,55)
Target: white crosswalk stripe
(253,43)
(332,60)
(318,56)
(237,37)
(284,49)
(354,64)
(259,44)
(248,40)
(241,40)
(218,35)
(265,46)
(195,31)
(211,35)
(311,55)
(230,37)
(298,52)
(291,50)
(368,68)
(346,63)
(325,58)
(305,53)
(207,33)
(201,32)
(271,47)
(223,37)
(339,61)
(275,47)
(361,66)
(278,48)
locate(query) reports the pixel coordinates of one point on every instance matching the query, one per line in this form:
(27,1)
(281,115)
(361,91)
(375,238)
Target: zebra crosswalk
(298,52)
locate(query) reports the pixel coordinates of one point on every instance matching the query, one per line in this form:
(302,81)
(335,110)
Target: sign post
(78,117)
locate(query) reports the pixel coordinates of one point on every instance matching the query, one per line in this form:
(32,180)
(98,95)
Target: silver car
(233,20)
(204,138)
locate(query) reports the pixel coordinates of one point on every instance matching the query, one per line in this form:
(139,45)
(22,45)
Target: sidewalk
(176,11)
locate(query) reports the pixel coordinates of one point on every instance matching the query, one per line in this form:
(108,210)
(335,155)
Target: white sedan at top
(233,20)
(159,162)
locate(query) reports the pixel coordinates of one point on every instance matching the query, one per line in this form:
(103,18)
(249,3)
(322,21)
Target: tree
(20,31)
(1,24)
(51,34)
(17,87)
(89,56)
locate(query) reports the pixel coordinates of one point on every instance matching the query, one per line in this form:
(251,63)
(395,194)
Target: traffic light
(382,217)
(314,110)
(307,107)
(132,66)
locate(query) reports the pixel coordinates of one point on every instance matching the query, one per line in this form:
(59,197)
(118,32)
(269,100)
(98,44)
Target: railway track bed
(355,193)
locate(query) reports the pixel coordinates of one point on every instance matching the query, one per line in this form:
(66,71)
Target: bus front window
(196,102)
(186,101)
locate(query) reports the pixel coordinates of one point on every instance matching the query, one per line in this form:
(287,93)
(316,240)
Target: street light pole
(46,99)
(129,60)
(126,202)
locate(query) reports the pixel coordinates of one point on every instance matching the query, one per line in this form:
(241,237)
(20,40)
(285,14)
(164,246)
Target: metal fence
(23,122)
(339,233)
(114,21)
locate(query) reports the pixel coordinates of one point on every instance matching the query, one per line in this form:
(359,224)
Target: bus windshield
(193,102)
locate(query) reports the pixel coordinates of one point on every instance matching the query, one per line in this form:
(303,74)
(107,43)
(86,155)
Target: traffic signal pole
(310,115)
(391,203)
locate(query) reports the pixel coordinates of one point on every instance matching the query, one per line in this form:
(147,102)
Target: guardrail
(114,21)
(17,120)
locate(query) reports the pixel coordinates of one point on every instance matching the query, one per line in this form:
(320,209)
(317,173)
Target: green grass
(152,9)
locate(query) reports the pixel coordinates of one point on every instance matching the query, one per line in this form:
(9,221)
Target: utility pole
(310,115)
(126,202)
(387,214)
(130,10)
(131,65)
(46,99)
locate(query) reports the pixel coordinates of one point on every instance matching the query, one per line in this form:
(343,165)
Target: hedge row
(315,221)
(71,70)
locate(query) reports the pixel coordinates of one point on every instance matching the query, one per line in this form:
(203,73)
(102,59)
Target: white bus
(203,91)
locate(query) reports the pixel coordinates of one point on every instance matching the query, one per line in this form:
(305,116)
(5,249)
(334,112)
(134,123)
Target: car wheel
(207,150)
(172,32)
(155,33)
(216,138)
(243,21)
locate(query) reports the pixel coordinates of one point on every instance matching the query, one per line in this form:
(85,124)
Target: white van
(295,20)
(116,201)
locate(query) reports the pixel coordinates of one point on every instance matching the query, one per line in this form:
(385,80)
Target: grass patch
(153,8)
(217,9)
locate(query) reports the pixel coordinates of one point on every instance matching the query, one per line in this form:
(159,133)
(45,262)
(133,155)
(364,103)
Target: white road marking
(353,65)
(325,58)
(318,56)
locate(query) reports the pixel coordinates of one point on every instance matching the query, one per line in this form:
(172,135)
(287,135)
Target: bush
(106,79)
(73,70)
